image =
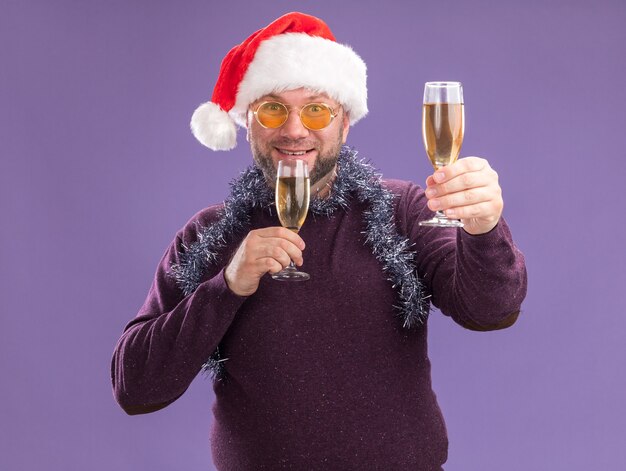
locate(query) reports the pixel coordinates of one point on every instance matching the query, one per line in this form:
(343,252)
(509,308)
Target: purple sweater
(319,374)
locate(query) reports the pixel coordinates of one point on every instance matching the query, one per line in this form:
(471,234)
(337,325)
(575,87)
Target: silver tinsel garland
(354,177)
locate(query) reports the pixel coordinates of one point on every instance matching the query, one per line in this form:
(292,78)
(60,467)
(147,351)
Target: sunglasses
(314,116)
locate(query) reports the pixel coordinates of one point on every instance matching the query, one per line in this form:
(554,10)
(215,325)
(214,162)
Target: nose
(293,127)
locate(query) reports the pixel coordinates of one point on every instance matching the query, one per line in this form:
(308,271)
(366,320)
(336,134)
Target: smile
(295,153)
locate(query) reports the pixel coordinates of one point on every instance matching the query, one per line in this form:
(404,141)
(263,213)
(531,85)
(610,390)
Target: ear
(248,118)
(346,126)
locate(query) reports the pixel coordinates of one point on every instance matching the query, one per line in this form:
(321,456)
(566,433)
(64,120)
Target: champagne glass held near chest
(443,126)
(292,204)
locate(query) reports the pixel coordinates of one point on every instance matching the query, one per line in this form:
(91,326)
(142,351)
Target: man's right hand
(263,250)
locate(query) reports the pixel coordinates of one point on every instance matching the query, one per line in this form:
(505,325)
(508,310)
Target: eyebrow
(309,97)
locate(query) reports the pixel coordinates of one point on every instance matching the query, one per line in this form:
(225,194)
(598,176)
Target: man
(331,373)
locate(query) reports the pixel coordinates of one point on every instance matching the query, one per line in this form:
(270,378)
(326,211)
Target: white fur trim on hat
(213,127)
(295,60)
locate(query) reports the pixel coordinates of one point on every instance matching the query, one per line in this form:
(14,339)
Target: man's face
(321,148)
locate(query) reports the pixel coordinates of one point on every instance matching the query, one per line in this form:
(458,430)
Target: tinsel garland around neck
(354,177)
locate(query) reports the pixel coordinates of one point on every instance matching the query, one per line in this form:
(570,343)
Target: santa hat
(295,51)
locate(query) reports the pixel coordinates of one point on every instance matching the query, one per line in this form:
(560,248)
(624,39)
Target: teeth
(302,152)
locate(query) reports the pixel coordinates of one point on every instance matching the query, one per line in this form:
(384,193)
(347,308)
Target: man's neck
(322,187)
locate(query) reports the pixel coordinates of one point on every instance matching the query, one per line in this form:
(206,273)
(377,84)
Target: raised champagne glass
(292,204)
(443,126)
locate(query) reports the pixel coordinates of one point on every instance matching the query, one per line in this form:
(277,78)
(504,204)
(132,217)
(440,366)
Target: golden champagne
(292,201)
(443,126)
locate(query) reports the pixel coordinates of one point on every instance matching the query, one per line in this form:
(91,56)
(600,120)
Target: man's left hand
(467,190)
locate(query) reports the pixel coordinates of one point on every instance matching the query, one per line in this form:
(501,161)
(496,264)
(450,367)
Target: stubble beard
(324,164)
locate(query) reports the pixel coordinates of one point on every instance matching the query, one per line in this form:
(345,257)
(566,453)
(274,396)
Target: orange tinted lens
(316,116)
(272,114)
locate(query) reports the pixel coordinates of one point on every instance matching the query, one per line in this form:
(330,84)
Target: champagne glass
(443,126)
(292,204)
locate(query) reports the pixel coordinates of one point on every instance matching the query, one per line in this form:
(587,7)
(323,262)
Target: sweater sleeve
(164,347)
(480,281)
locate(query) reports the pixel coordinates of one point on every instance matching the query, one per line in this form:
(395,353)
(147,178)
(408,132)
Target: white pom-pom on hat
(213,127)
(298,51)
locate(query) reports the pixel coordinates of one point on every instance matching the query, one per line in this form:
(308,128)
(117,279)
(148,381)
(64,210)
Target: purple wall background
(98,171)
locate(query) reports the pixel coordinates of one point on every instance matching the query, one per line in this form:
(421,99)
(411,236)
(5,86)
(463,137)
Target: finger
(464,198)
(281,232)
(487,210)
(293,251)
(467,164)
(273,251)
(280,250)
(462,182)
(270,265)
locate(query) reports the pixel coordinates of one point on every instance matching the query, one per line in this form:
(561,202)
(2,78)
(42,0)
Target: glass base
(291,273)
(440,220)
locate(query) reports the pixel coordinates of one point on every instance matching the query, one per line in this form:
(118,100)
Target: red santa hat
(295,51)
